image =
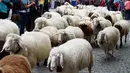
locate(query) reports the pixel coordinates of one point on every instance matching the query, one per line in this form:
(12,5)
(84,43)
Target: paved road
(118,64)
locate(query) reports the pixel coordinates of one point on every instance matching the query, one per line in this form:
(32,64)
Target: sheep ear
(21,45)
(61,61)
(106,38)
(48,62)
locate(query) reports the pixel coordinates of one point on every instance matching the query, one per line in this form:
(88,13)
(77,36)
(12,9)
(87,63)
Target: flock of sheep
(63,39)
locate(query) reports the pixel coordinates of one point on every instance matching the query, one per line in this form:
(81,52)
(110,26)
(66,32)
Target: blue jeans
(24,19)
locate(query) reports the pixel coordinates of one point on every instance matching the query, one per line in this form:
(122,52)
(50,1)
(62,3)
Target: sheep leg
(38,64)
(45,62)
(120,41)
(125,38)
(90,64)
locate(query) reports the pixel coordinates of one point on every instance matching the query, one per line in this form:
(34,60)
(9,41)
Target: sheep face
(47,15)
(62,37)
(39,22)
(13,44)
(55,62)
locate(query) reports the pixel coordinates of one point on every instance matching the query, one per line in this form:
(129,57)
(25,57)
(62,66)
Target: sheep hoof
(38,64)
(121,46)
(45,62)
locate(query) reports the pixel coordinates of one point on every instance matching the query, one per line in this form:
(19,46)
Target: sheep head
(40,22)
(13,44)
(55,61)
(118,27)
(62,36)
(47,15)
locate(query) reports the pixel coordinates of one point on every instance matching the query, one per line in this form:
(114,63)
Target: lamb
(49,15)
(107,39)
(15,64)
(6,27)
(59,22)
(123,26)
(51,32)
(34,45)
(72,20)
(69,33)
(71,57)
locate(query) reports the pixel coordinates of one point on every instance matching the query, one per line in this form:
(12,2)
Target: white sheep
(100,23)
(69,33)
(123,26)
(34,45)
(49,15)
(59,22)
(71,57)
(107,39)
(72,20)
(6,27)
(111,16)
(51,32)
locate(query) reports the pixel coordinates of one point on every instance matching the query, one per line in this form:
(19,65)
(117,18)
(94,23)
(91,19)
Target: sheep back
(77,54)
(38,44)
(112,36)
(15,64)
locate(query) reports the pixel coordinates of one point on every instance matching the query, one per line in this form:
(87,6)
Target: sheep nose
(59,41)
(7,49)
(101,42)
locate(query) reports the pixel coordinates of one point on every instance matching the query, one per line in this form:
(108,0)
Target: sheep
(64,9)
(123,26)
(107,39)
(49,15)
(111,16)
(59,23)
(69,33)
(15,64)
(87,27)
(119,15)
(6,27)
(34,45)
(99,24)
(86,19)
(51,32)
(71,57)
(72,20)
(81,13)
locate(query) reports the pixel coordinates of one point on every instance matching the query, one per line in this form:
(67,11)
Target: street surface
(120,63)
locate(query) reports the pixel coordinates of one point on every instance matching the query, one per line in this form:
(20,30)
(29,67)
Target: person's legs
(126,14)
(24,19)
(3,15)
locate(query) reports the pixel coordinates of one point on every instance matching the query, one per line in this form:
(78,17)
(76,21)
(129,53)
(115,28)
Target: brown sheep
(86,27)
(15,64)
